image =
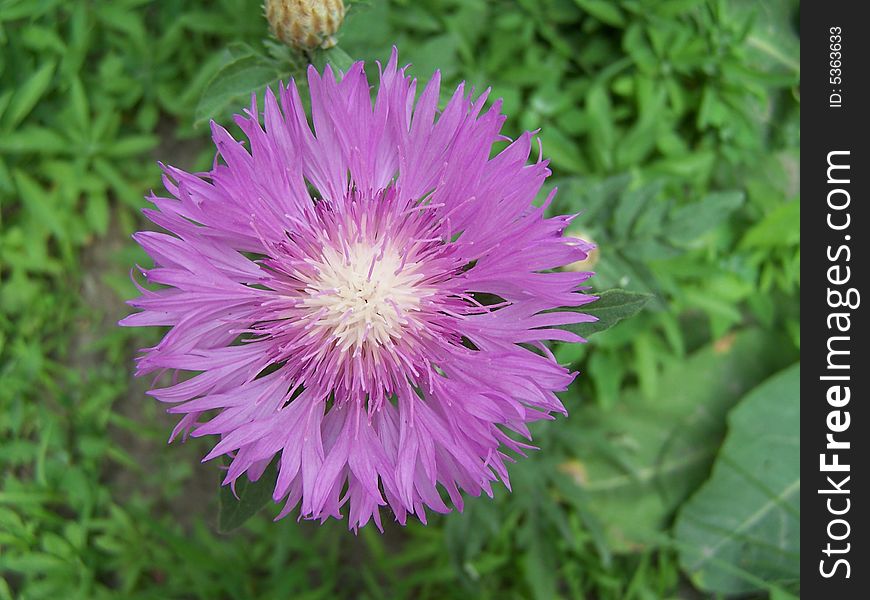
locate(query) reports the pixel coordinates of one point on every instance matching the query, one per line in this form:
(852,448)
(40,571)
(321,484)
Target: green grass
(672,125)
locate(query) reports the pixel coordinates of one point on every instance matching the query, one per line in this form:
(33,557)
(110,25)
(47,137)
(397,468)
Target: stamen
(361,293)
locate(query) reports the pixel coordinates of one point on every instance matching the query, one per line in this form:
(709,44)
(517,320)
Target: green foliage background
(672,125)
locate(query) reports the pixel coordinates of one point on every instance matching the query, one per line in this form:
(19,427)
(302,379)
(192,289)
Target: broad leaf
(641,459)
(773,42)
(746,517)
(252,497)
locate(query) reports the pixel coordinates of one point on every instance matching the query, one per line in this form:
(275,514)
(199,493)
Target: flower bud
(305,24)
(591,257)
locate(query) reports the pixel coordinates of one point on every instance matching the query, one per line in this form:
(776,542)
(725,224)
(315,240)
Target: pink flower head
(369,301)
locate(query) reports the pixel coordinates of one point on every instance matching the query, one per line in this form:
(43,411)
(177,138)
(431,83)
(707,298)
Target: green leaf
(132,145)
(437,52)
(563,151)
(631,206)
(97,213)
(29,94)
(79,106)
(335,56)
(232,86)
(42,39)
(691,221)
(40,203)
(611,307)
(252,497)
(781,227)
(11,10)
(643,458)
(695,166)
(602,132)
(538,570)
(30,138)
(609,372)
(773,41)
(743,526)
(606,12)
(369,30)
(5,97)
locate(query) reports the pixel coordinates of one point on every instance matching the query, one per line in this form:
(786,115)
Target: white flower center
(364,294)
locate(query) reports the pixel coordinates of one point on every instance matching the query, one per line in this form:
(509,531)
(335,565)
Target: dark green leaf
(646,249)
(691,221)
(538,561)
(252,497)
(31,138)
(632,204)
(40,204)
(611,307)
(746,517)
(562,151)
(781,227)
(604,11)
(97,213)
(642,458)
(132,145)
(28,95)
(337,58)
(602,132)
(232,86)
(773,41)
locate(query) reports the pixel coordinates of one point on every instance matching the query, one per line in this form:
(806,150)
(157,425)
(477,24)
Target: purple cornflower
(369,302)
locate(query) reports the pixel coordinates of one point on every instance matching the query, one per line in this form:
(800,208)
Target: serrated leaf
(611,307)
(746,517)
(252,497)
